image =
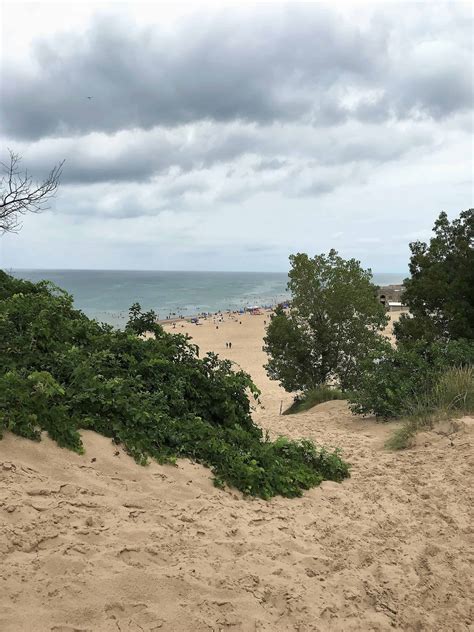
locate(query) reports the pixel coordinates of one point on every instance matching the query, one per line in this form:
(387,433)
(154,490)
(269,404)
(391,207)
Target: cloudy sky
(227,136)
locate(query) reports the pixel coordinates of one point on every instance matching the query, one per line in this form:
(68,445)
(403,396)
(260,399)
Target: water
(107,294)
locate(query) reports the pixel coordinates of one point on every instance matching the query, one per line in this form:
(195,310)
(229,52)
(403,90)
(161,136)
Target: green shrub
(61,372)
(452,395)
(391,384)
(313,397)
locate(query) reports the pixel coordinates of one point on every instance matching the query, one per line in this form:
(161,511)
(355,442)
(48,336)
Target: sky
(226,136)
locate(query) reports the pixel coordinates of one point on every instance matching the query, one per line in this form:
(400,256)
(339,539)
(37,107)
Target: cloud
(228,131)
(277,64)
(270,164)
(184,155)
(135,173)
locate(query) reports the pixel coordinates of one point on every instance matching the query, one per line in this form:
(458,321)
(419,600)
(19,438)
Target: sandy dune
(98,543)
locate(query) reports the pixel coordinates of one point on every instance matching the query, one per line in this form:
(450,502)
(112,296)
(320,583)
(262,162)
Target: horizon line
(163,270)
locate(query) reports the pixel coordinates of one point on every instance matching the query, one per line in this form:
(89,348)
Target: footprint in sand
(139,558)
(133,616)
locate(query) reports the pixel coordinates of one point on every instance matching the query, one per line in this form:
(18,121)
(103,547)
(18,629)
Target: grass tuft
(452,396)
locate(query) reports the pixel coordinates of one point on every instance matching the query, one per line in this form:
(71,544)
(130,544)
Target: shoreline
(389,295)
(205,316)
(106,296)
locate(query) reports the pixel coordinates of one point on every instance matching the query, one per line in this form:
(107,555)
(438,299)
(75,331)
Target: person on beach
(226,345)
(230,345)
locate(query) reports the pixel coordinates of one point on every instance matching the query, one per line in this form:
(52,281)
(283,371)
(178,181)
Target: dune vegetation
(61,372)
(330,344)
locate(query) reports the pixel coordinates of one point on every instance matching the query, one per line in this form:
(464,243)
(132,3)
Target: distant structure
(391,297)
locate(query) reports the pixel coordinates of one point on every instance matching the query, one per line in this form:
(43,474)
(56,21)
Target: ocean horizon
(107,295)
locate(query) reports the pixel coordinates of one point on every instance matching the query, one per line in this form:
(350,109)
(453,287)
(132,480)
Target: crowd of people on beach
(219,317)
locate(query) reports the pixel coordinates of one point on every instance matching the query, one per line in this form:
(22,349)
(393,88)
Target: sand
(95,542)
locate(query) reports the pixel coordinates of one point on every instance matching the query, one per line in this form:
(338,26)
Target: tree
(20,195)
(140,322)
(334,321)
(440,292)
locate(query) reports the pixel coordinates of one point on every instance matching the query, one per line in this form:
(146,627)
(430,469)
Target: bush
(390,383)
(452,395)
(313,397)
(60,372)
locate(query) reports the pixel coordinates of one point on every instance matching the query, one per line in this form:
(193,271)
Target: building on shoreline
(391,297)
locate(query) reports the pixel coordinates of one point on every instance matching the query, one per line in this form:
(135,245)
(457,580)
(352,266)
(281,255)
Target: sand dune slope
(96,542)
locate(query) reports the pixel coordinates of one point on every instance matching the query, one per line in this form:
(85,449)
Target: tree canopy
(334,321)
(440,292)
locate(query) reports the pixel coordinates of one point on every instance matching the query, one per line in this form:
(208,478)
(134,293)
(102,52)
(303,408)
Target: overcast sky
(227,137)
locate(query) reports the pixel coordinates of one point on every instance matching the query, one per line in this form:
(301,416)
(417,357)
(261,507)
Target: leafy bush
(313,397)
(452,395)
(391,382)
(60,372)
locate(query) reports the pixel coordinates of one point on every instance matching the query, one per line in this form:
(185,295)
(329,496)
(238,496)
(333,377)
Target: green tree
(334,321)
(142,322)
(440,292)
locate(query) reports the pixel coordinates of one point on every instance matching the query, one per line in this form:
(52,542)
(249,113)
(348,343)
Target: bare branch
(20,195)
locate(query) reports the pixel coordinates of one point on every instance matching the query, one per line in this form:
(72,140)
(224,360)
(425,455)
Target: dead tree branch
(19,194)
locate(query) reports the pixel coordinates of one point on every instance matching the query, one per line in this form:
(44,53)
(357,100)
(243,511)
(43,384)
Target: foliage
(313,397)
(440,292)
(60,372)
(390,382)
(10,285)
(334,321)
(452,395)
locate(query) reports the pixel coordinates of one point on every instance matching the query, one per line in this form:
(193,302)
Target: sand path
(97,543)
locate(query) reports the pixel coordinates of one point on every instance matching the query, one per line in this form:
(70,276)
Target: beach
(245,332)
(97,542)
